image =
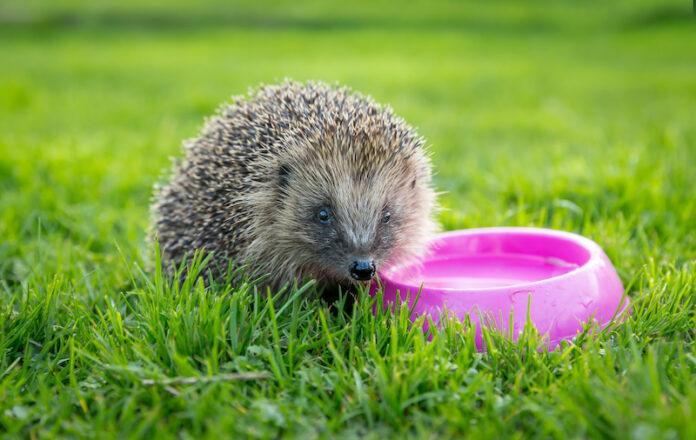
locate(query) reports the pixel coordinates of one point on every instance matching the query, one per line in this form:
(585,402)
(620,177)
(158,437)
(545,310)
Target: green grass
(572,116)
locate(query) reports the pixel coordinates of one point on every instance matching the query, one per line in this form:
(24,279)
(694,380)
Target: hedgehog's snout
(362,270)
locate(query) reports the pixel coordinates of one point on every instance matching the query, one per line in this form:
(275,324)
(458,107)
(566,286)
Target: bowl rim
(593,248)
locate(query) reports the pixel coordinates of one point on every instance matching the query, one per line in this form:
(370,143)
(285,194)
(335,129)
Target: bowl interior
(491,260)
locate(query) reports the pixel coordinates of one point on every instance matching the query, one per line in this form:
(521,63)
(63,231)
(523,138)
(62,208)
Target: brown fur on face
(252,186)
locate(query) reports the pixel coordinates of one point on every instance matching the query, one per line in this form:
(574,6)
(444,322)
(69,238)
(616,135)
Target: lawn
(580,117)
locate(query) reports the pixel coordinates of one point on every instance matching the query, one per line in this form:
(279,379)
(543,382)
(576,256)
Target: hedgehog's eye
(323,215)
(386,217)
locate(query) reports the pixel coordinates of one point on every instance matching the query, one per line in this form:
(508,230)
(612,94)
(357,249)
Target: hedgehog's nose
(362,270)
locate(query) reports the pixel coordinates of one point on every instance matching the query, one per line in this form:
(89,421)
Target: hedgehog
(298,181)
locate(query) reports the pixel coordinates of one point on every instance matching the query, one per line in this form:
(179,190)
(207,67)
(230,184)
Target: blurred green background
(573,115)
(579,109)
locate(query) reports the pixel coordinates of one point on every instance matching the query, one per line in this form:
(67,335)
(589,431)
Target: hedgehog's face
(341,223)
(347,246)
(343,232)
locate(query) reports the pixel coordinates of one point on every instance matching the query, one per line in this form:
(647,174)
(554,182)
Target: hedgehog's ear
(283,175)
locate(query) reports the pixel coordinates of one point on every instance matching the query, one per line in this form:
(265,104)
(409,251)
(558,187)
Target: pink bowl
(563,278)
